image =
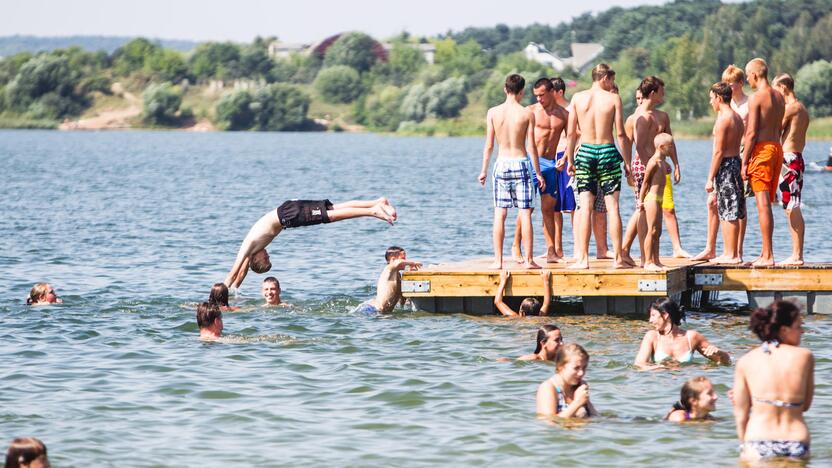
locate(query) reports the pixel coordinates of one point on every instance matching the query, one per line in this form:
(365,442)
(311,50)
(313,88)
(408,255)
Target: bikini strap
(690,346)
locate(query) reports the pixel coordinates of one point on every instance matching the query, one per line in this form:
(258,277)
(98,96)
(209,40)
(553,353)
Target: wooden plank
(814,277)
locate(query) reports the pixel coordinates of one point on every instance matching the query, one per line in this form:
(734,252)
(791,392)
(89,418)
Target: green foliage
(413,103)
(297,68)
(339,83)
(403,65)
(354,50)
(131,57)
(44,87)
(9,66)
(442,100)
(215,60)
(275,107)
(380,111)
(161,104)
(461,59)
(814,87)
(166,65)
(255,63)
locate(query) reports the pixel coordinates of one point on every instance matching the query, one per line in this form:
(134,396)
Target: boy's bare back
(596,111)
(511,122)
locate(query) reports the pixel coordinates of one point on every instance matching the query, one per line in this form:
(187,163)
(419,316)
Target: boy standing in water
(389,286)
(512,125)
(650,199)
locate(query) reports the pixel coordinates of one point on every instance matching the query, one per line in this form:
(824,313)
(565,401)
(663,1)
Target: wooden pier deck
(470,286)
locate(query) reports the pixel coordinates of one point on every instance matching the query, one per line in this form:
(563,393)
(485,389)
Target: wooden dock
(470,286)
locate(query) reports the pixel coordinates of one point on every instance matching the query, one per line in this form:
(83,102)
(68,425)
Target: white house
(583,55)
(282,50)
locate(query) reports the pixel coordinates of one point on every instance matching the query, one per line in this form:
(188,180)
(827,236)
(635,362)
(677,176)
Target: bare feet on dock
(605,256)
(654,267)
(553,257)
(496,265)
(622,264)
(531,265)
(385,212)
(582,264)
(627,259)
(763,262)
(723,260)
(681,253)
(516,254)
(704,255)
(791,261)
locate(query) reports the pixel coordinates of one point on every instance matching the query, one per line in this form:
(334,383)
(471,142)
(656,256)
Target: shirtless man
(550,121)
(513,127)
(389,286)
(295,213)
(762,154)
(598,163)
(724,178)
(735,77)
(795,124)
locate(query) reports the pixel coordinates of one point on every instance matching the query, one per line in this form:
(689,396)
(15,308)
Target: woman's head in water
(571,361)
(219,295)
(664,314)
(697,396)
(530,306)
(42,293)
(779,321)
(259,262)
(27,452)
(549,338)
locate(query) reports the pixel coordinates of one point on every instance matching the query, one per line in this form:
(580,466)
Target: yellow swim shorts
(667,197)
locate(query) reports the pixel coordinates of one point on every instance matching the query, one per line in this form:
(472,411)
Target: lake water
(133,228)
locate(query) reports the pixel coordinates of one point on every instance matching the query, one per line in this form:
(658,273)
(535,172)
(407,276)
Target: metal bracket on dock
(707,279)
(415,286)
(652,285)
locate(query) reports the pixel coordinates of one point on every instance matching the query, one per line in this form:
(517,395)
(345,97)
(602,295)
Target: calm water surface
(133,228)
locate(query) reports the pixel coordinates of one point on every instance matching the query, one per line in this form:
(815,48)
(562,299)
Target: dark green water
(133,228)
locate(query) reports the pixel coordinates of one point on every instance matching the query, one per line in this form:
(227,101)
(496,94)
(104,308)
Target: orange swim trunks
(764,167)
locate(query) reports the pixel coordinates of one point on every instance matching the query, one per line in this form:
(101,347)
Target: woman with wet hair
(774,384)
(530,305)
(696,401)
(43,294)
(566,394)
(27,452)
(549,340)
(219,296)
(669,342)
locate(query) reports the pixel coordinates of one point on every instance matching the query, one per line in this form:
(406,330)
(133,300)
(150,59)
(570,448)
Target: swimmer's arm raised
(251,244)
(498,298)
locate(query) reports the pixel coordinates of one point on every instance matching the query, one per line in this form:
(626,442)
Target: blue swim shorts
(548,171)
(566,195)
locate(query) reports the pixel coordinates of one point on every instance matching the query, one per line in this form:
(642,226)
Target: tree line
(687,43)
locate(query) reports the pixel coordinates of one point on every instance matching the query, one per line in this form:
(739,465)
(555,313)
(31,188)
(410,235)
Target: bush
(275,107)
(446,99)
(381,110)
(161,104)
(340,84)
(413,104)
(355,49)
(41,75)
(814,87)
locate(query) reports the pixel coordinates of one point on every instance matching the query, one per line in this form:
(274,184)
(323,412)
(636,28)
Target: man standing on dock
(762,154)
(512,125)
(795,124)
(598,163)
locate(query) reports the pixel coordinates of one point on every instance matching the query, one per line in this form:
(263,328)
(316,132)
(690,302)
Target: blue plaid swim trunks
(513,183)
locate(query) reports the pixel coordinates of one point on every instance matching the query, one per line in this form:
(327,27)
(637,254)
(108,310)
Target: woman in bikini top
(776,379)
(665,340)
(566,394)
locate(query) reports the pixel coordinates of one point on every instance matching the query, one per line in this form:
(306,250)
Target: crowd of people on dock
(571,154)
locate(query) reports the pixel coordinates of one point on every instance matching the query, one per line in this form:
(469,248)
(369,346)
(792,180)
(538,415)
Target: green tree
(413,103)
(131,57)
(461,59)
(220,60)
(166,65)
(355,49)
(280,107)
(255,63)
(45,76)
(796,48)
(403,64)
(821,39)
(339,83)
(9,66)
(446,99)
(161,104)
(381,110)
(234,110)
(814,87)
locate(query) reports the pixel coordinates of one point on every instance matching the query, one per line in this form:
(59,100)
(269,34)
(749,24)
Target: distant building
(583,55)
(283,50)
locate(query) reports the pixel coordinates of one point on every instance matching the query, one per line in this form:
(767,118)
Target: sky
(291,21)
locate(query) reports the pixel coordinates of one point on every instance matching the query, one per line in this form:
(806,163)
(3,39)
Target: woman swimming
(42,294)
(777,380)
(530,305)
(669,342)
(219,296)
(566,394)
(696,401)
(549,340)
(27,452)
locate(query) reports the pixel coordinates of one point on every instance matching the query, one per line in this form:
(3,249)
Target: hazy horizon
(211,21)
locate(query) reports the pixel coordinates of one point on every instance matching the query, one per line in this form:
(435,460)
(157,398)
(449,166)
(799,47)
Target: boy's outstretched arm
(547,293)
(498,298)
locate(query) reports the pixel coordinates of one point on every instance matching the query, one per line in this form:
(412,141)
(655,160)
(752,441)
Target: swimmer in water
(209,320)
(270,290)
(566,394)
(696,401)
(667,341)
(219,296)
(530,305)
(296,213)
(27,452)
(389,285)
(549,339)
(43,294)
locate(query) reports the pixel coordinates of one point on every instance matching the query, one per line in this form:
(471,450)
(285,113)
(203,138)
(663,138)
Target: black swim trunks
(730,202)
(296,213)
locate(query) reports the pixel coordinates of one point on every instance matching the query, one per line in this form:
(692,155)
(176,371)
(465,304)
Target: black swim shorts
(296,213)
